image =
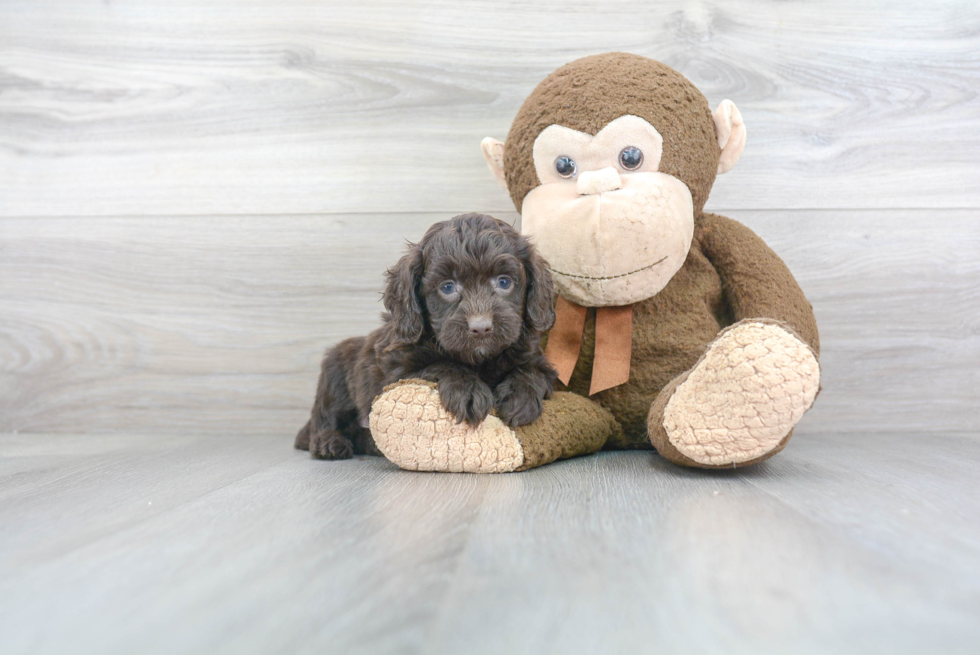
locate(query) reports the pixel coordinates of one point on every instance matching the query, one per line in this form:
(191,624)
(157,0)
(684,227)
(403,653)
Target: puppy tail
(303,436)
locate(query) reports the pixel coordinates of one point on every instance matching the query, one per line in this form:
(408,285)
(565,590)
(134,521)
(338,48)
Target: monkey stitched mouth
(610,277)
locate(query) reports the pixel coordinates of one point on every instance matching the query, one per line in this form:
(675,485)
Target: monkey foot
(413,430)
(740,402)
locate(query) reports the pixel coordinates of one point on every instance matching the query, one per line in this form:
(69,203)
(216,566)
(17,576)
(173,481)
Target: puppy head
(478,285)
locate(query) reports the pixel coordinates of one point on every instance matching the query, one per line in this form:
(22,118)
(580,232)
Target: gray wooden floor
(843,544)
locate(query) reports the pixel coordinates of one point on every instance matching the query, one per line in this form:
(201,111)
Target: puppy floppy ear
(540,303)
(401,295)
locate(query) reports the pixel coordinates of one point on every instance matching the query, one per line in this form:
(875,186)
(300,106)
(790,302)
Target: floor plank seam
(436,620)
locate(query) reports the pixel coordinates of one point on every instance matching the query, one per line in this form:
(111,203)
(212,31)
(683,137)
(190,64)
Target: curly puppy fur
(466,308)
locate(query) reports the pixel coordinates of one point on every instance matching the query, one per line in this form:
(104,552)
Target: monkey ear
(493,152)
(540,304)
(730,130)
(401,295)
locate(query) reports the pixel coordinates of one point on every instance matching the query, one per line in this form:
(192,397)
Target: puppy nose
(605,179)
(480,326)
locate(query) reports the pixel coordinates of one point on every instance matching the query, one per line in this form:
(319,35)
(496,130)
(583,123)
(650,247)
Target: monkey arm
(759,375)
(755,281)
(412,429)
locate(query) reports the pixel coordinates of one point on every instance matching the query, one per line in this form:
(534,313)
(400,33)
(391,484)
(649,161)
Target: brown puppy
(466,309)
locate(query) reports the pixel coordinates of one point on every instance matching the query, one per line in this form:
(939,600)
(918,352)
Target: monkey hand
(413,430)
(740,402)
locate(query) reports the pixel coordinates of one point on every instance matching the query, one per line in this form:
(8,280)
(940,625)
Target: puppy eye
(565,166)
(631,158)
(503,283)
(448,288)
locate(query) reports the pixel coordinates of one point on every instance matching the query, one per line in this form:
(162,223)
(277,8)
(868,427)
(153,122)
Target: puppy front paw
(518,401)
(468,398)
(330,444)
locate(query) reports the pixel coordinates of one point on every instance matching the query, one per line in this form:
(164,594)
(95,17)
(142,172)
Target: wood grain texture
(324,577)
(843,544)
(221,107)
(216,325)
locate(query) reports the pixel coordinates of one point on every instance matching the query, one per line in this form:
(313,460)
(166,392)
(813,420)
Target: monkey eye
(448,288)
(503,283)
(565,166)
(631,158)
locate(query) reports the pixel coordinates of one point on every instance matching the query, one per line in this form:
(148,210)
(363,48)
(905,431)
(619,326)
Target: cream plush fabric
(591,264)
(748,391)
(413,430)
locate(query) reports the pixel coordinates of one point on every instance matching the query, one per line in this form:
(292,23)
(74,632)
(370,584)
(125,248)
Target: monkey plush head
(609,161)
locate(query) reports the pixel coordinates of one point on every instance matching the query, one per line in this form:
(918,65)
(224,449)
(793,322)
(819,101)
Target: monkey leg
(413,430)
(739,403)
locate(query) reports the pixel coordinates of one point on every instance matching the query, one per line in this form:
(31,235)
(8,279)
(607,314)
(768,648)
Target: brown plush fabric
(673,329)
(584,428)
(588,93)
(670,332)
(756,282)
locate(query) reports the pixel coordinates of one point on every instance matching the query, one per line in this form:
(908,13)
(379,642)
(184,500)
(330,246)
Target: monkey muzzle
(611,242)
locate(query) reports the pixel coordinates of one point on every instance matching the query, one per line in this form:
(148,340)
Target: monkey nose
(605,179)
(480,326)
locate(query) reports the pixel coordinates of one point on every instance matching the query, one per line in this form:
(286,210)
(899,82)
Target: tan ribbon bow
(613,343)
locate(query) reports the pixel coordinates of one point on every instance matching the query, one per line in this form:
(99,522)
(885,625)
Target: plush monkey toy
(676,329)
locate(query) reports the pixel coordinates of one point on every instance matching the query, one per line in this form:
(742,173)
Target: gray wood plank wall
(197,198)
